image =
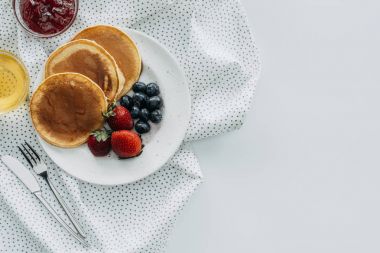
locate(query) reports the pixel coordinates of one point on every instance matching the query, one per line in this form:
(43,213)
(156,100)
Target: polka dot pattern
(214,47)
(7,83)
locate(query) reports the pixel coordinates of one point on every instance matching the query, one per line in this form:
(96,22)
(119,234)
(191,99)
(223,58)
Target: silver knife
(28,179)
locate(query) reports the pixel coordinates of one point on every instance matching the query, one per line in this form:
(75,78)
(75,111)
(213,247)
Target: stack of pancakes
(99,65)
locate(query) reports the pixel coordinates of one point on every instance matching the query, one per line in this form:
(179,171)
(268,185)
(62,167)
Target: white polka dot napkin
(214,47)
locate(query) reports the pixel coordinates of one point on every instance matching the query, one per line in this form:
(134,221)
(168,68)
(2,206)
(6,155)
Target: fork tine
(26,157)
(30,155)
(34,152)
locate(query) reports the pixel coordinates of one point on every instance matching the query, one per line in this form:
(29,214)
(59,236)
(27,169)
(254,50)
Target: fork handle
(66,208)
(55,215)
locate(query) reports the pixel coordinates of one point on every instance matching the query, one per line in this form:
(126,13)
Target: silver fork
(40,168)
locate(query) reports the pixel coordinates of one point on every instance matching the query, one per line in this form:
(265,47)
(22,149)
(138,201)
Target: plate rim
(182,135)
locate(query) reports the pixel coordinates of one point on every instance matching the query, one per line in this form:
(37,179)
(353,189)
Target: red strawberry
(126,143)
(119,118)
(99,143)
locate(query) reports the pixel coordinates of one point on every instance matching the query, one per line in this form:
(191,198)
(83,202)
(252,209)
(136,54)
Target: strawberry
(126,144)
(119,118)
(99,143)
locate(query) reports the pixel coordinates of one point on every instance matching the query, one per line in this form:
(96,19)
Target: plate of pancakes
(83,78)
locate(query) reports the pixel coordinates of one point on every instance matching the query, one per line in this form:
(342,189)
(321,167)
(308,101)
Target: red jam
(47,16)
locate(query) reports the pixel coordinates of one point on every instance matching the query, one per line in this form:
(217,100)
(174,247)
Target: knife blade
(17,168)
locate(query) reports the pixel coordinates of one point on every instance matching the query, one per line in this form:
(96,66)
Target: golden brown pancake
(121,47)
(88,58)
(66,108)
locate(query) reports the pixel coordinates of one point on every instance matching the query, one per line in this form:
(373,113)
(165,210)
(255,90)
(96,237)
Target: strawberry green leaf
(101,135)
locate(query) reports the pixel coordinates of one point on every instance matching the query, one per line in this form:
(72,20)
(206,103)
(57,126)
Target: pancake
(66,108)
(121,47)
(121,82)
(88,58)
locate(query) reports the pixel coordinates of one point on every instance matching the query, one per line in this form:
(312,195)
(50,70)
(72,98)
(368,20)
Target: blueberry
(142,127)
(154,103)
(156,116)
(139,87)
(144,114)
(135,111)
(139,99)
(127,102)
(152,89)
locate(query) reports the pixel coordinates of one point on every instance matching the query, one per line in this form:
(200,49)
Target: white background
(303,173)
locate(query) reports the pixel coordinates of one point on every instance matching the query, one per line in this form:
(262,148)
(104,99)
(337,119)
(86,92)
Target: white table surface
(303,174)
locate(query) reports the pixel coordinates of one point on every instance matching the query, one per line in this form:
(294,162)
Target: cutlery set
(30,181)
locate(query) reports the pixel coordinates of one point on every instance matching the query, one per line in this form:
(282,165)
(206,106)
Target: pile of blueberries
(144,105)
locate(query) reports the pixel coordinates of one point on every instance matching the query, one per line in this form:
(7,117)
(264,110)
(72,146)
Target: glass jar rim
(40,35)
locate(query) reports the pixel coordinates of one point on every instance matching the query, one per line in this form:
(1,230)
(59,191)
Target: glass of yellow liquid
(14,82)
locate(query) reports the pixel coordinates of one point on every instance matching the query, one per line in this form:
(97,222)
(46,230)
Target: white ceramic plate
(160,143)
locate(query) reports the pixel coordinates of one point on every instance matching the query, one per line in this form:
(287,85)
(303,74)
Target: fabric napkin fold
(215,48)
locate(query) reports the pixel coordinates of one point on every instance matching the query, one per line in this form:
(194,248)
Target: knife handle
(66,208)
(55,215)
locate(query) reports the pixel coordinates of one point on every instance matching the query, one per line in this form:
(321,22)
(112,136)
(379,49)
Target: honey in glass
(14,82)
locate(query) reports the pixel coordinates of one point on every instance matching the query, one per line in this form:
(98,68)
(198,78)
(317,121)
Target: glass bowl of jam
(45,18)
